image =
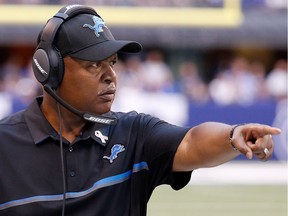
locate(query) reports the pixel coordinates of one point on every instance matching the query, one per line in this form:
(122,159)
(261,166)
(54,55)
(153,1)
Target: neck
(72,125)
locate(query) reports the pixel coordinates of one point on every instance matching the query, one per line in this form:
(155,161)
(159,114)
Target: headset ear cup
(56,68)
(41,66)
(48,67)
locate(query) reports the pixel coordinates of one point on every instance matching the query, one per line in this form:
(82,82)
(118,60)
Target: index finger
(255,131)
(271,130)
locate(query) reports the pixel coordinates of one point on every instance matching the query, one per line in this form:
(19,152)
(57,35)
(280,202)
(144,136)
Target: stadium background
(192,44)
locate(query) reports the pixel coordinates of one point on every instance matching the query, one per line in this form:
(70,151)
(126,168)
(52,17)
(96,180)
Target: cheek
(84,90)
(80,80)
(74,88)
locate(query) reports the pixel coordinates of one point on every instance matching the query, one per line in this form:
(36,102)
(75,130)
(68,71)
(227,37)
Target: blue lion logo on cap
(98,25)
(115,150)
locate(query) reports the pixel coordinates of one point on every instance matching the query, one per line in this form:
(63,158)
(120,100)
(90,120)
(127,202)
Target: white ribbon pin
(101,136)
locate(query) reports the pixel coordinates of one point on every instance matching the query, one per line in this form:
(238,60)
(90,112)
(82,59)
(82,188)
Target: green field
(220,200)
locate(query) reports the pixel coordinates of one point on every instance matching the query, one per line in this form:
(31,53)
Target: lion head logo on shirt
(115,150)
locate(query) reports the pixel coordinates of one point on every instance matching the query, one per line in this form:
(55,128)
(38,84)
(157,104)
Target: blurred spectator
(259,72)
(18,85)
(155,74)
(277,80)
(236,85)
(221,90)
(10,73)
(191,84)
(128,73)
(277,85)
(5,101)
(26,88)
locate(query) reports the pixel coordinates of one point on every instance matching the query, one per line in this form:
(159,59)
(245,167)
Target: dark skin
(91,86)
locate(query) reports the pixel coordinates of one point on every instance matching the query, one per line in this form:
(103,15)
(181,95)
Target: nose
(109,76)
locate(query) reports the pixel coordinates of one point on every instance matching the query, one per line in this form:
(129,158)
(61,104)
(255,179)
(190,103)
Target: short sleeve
(161,143)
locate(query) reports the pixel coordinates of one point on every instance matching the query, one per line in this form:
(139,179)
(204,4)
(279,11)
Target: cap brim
(101,51)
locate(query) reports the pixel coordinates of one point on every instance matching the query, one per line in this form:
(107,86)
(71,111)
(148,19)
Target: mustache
(111,89)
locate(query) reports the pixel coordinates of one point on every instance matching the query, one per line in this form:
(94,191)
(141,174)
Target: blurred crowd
(241,82)
(246,4)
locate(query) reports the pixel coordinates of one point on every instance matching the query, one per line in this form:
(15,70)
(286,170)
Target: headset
(47,62)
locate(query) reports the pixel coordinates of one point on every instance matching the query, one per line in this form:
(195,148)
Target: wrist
(231,135)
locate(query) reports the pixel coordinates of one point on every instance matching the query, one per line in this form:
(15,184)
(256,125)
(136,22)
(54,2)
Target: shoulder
(18,121)
(14,119)
(12,126)
(136,119)
(147,124)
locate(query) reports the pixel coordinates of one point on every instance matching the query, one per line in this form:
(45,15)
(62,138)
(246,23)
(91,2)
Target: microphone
(87,116)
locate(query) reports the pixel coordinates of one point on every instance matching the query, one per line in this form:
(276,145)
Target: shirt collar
(38,125)
(42,130)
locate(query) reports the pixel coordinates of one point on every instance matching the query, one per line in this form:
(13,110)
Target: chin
(103,110)
(100,108)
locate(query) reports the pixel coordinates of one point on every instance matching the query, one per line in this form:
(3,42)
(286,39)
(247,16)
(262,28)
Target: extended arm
(208,145)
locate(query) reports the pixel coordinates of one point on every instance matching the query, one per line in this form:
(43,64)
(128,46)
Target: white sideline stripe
(256,172)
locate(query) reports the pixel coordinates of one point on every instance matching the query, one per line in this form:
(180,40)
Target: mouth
(108,95)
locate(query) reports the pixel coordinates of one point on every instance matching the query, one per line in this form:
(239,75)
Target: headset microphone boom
(87,116)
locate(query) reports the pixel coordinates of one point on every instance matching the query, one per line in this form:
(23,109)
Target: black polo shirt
(110,170)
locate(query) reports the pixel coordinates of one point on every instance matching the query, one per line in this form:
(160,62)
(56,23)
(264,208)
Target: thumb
(248,153)
(242,147)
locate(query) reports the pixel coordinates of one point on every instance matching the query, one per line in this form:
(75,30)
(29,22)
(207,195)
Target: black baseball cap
(86,37)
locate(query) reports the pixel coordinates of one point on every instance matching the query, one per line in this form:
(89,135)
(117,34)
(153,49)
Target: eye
(96,65)
(113,63)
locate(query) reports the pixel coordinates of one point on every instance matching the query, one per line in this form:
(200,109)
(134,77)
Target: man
(68,154)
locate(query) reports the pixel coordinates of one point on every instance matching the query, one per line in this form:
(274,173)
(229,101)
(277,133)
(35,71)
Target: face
(89,86)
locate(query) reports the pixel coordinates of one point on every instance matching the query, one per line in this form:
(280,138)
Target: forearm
(208,144)
(205,145)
